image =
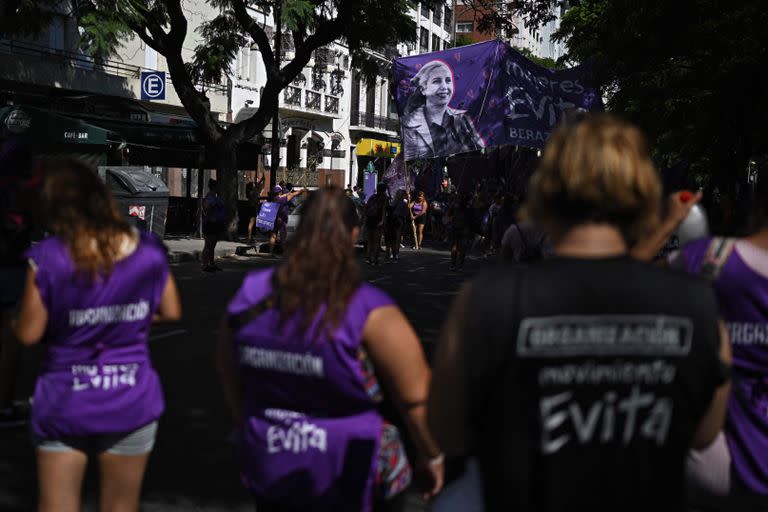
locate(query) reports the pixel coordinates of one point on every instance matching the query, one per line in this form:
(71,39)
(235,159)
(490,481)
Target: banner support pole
(410,210)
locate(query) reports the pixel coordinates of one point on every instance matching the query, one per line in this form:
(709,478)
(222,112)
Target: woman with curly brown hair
(92,291)
(580,382)
(299,355)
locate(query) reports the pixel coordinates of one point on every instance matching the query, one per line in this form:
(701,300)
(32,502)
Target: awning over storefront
(48,130)
(380,148)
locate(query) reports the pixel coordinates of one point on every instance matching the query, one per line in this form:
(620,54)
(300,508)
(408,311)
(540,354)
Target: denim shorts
(138,442)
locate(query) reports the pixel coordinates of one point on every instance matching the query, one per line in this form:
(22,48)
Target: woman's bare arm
(227,367)
(712,422)
(169,309)
(32,319)
(398,358)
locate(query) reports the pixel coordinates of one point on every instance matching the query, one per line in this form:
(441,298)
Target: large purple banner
(482,95)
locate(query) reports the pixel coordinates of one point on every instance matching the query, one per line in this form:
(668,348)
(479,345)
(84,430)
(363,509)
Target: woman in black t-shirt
(579,383)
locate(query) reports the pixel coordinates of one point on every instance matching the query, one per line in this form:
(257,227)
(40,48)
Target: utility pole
(454,17)
(275,158)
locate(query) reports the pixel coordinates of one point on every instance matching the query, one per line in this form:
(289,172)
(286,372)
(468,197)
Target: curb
(184,256)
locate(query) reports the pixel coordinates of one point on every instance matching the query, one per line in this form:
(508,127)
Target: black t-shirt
(586,382)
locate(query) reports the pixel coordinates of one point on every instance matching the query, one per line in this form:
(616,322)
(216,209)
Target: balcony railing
(85,62)
(310,100)
(292,96)
(313,101)
(370,120)
(332,104)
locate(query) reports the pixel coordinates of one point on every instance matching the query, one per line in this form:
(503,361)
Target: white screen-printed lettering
(295,435)
(604,335)
(103,377)
(109,314)
(613,418)
(282,361)
(617,372)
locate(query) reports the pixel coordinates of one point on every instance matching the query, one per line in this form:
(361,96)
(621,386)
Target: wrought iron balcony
(370,120)
(332,104)
(292,96)
(313,101)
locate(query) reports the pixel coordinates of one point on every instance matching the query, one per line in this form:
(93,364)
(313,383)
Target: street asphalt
(192,467)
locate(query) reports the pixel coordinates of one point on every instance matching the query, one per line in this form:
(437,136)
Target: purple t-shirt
(742,297)
(97,376)
(311,431)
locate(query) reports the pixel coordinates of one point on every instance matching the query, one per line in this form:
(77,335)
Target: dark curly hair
(320,268)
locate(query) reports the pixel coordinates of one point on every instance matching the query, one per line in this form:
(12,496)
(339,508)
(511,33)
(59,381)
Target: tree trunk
(226,174)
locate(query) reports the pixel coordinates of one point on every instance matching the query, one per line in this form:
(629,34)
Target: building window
(425,11)
(448,20)
(437,17)
(464,27)
(423,40)
(435,43)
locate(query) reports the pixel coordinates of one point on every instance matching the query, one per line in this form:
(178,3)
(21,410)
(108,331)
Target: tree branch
(178,24)
(256,32)
(326,32)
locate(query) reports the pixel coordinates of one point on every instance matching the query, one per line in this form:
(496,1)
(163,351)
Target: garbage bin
(141,196)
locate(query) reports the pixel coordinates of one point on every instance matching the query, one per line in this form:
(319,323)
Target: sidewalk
(189,249)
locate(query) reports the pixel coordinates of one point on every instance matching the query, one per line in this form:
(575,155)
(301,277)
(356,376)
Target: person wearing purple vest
(738,463)
(92,291)
(299,353)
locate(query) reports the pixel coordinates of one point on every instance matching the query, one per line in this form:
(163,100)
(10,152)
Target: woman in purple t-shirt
(299,355)
(92,290)
(737,463)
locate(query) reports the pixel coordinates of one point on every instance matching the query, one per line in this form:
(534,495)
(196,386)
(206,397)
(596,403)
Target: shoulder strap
(272,300)
(717,254)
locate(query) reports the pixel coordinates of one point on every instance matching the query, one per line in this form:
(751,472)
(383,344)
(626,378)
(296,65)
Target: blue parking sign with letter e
(153,85)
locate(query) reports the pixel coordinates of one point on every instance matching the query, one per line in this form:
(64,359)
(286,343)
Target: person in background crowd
(92,290)
(494,212)
(397,216)
(479,211)
(283,196)
(580,383)
(437,212)
(419,209)
(459,230)
(738,269)
(214,225)
(300,353)
(430,127)
(375,219)
(19,190)
(253,192)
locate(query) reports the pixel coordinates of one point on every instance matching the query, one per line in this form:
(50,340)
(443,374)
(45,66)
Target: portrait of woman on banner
(430,127)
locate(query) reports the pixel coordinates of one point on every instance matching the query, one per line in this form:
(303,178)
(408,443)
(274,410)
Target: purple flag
(394,176)
(482,95)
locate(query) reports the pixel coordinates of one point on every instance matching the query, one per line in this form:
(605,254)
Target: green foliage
(461,40)
(690,73)
(298,14)
(221,42)
(541,61)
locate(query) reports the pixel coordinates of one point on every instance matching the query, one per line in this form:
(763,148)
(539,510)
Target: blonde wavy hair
(596,170)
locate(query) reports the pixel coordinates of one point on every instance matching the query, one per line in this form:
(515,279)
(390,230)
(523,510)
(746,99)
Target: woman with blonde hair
(300,354)
(430,126)
(92,291)
(580,382)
